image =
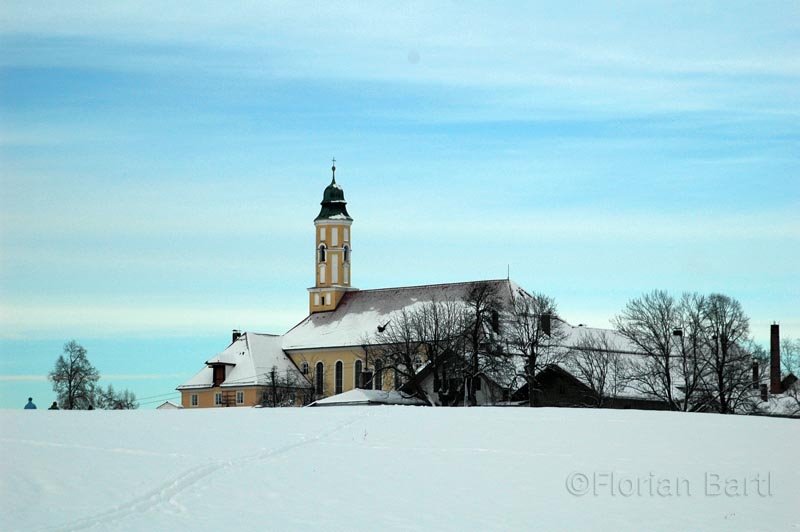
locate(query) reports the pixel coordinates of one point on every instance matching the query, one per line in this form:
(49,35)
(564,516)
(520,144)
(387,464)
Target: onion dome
(334,207)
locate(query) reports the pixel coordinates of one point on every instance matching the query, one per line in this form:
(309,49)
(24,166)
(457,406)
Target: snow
(388,468)
(366,397)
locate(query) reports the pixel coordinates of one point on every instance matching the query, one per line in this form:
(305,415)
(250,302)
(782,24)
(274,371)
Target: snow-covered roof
(249,361)
(359,313)
(577,335)
(168,405)
(369,397)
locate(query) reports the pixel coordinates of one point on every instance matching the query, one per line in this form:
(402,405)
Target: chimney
(756,380)
(764,395)
(235,335)
(774,359)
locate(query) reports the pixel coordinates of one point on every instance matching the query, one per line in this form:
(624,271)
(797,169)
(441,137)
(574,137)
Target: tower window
(322,253)
(319,374)
(347,253)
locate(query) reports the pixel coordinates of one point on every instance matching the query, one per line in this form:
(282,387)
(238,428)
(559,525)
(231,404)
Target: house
(252,370)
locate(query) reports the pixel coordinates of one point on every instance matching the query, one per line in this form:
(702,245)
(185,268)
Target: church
(328,353)
(342,352)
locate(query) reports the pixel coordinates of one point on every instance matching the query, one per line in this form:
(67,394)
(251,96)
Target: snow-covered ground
(397,468)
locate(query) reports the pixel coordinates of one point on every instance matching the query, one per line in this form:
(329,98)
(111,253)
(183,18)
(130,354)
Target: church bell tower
(333,249)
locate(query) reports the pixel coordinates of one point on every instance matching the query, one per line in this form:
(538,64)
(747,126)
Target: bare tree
(440,327)
(110,399)
(430,335)
(283,389)
(537,335)
(790,359)
(649,323)
(729,362)
(74,378)
(600,364)
(689,361)
(483,309)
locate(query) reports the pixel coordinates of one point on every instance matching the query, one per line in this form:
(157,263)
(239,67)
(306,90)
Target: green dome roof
(334,207)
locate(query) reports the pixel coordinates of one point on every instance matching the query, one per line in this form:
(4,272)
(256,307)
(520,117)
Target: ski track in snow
(164,497)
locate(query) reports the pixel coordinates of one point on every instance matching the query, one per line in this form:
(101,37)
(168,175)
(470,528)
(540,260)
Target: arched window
(338,377)
(357,375)
(319,375)
(304,368)
(347,253)
(378,379)
(322,253)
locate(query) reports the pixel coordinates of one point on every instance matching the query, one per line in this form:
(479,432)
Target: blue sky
(161,164)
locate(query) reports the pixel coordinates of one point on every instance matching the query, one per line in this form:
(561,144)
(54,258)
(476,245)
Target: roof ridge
(431,285)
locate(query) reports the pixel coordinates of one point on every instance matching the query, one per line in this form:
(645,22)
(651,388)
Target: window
(219,374)
(218,399)
(322,253)
(239,397)
(304,367)
(338,377)
(357,375)
(194,399)
(347,253)
(318,376)
(495,321)
(378,379)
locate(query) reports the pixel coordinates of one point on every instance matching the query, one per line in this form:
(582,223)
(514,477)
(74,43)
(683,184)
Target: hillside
(396,468)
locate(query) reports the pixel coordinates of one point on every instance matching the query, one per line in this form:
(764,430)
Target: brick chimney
(756,380)
(775,359)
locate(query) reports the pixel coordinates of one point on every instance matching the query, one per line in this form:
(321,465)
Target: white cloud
(37,320)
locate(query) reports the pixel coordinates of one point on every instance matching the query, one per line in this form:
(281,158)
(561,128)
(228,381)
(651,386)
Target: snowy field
(397,468)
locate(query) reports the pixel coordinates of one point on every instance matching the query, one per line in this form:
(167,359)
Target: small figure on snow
(30,405)
(54,406)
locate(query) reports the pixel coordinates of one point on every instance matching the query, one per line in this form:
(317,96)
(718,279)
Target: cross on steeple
(333,168)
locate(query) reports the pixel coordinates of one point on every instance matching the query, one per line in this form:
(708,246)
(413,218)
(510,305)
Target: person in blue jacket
(30,405)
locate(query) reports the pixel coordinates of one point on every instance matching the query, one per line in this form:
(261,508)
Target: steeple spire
(333,170)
